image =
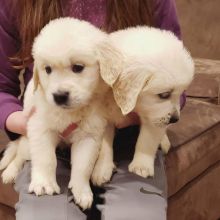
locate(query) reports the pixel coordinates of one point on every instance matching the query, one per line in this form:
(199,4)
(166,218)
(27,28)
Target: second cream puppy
(154,70)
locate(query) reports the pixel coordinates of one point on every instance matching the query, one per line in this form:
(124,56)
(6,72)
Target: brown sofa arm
(207,66)
(206,84)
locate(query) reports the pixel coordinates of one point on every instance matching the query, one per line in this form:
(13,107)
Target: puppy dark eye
(164,95)
(48,69)
(77,68)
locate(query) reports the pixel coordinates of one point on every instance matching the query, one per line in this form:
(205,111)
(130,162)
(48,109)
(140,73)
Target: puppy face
(156,70)
(159,101)
(68,84)
(66,64)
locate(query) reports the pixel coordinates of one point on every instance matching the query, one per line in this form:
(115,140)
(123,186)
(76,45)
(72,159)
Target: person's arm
(165,15)
(9,81)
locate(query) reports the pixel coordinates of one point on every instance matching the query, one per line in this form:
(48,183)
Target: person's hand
(130,119)
(17,121)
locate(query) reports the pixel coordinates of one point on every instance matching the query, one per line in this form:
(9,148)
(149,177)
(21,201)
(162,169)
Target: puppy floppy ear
(35,77)
(128,87)
(110,62)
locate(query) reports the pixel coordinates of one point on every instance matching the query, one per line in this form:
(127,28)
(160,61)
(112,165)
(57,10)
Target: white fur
(165,144)
(104,166)
(154,62)
(138,63)
(61,44)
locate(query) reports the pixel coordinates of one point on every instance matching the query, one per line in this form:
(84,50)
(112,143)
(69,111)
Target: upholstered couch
(193,163)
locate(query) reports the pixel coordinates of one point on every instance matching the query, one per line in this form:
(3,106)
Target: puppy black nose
(61,98)
(174,119)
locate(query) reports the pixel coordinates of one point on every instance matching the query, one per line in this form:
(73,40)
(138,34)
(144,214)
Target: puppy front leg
(104,166)
(14,158)
(145,150)
(165,144)
(44,162)
(84,154)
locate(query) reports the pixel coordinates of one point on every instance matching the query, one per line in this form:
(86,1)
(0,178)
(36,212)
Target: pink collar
(68,130)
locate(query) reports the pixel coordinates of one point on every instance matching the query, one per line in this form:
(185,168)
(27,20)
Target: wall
(200,24)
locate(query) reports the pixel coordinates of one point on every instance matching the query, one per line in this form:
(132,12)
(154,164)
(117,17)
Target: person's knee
(152,208)
(35,208)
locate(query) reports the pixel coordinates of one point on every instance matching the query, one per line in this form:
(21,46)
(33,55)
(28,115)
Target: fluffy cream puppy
(155,70)
(135,68)
(66,88)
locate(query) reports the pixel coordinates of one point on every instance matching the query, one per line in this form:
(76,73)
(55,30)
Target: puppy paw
(102,172)
(142,165)
(83,196)
(10,174)
(43,186)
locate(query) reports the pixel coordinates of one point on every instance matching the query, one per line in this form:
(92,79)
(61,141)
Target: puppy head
(159,101)
(156,70)
(66,65)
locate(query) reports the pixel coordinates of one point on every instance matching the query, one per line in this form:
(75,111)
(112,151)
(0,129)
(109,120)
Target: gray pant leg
(56,207)
(130,197)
